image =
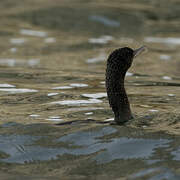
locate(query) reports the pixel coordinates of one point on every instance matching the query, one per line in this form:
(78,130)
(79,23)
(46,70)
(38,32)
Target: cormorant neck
(118,98)
(124,112)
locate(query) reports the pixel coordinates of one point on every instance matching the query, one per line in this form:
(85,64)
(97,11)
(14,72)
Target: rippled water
(106,145)
(52,68)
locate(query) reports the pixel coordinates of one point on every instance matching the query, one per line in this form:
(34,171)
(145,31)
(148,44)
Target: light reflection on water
(101,40)
(23,149)
(77,102)
(99,58)
(5,85)
(55,119)
(176,154)
(116,148)
(18,41)
(95,95)
(15,90)
(169,40)
(161,174)
(18,62)
(104,20)
(30,32)
(52,94)
(20,149)
(58,67)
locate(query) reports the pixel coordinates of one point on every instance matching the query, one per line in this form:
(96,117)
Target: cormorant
(118,62)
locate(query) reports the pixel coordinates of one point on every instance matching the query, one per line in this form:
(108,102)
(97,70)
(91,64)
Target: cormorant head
(125,57)
(122,58)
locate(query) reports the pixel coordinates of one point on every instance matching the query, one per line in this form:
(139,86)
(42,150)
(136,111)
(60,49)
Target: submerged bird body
(118,63)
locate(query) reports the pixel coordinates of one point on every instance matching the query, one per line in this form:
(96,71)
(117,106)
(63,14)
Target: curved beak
(139,50)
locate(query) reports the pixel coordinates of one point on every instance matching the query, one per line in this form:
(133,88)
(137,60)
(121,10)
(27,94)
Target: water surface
(52,71)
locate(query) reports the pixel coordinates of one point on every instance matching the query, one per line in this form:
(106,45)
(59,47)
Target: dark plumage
(118,63)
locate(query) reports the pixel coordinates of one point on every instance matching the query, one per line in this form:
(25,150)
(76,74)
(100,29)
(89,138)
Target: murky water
(52,65)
